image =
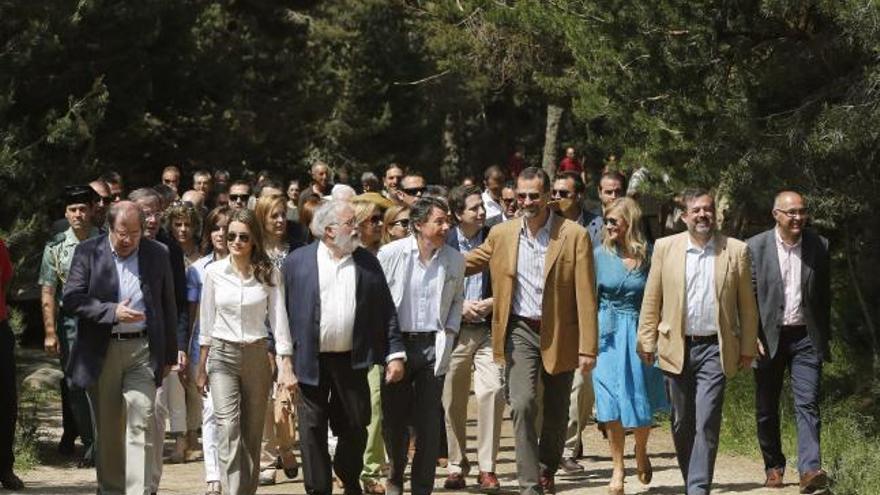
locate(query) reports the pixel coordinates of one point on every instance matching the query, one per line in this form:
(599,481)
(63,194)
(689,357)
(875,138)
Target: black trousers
(8,398)
(341,398)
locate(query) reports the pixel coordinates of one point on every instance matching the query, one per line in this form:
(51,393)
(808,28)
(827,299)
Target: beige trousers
(122,402)
(580,410)
(473,349)
(240,378)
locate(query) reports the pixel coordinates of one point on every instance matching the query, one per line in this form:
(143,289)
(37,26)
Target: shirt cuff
(396,355)
(204,341)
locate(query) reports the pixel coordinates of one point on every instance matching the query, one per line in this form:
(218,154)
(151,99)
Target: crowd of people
(245,319)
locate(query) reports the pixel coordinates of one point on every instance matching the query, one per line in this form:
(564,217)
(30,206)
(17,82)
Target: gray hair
(326,215)
(421,210)
(342,192)
(145,193)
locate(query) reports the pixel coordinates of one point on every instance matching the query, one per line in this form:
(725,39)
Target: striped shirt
(473,285)
(529,293)
(700,289)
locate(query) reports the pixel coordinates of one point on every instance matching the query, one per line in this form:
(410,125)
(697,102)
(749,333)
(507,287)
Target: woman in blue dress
(627,391)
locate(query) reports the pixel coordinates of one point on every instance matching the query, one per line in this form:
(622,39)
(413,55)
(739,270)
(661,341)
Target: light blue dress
(626,389)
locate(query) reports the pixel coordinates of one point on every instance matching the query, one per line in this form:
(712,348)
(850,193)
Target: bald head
(784,198)
(197,198)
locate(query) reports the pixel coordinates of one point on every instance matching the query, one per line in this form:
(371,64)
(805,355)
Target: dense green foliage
(746,96)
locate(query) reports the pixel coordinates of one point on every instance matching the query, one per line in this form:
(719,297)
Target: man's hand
(647,358)
(484,307)
(124,314)
(394,371)
(586,363)
(51,344)
(470,310)
(745,362)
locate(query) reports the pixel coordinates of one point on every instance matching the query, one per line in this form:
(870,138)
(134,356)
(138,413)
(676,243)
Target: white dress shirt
(421,299)
(129,274)
(790,269)
(237,310)
(700,290)
(493,208)
(528,295)
(338,282)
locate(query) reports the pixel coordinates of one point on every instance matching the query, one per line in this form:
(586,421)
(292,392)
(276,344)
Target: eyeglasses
(376,220)
(104,200)
(611,221)
(794,213)
(532,196)
(235,198)
(507,201)
(403,222)
(414,191)
(240,236)
(561,193)
(349,223)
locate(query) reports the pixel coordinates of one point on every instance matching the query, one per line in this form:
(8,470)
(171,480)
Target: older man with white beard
(342,321)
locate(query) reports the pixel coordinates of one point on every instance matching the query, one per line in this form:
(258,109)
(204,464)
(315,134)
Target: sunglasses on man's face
(235,198)
(414,191)
(104,200)
(240,236)
(561,193)
(533,196)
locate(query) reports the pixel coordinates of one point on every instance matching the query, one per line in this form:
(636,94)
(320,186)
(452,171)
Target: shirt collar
(708,248)
(70,235)
(462,239)
(414,249)
(785,245)
(524,229)
(116,255)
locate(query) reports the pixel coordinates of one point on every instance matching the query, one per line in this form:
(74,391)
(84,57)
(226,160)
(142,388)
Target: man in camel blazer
(544,320)
(700,319)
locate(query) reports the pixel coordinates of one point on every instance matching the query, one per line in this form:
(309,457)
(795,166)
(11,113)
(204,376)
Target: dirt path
(733,474)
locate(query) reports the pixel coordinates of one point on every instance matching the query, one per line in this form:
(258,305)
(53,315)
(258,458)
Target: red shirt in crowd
(570,165)
(5,278)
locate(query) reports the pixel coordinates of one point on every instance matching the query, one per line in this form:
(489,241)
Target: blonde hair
(264,206)
(363,210)
(633,239)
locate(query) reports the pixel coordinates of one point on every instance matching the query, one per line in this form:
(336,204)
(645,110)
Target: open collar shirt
(790,270)
(700,289)
(421,297)
(337,280)
(128,271)
(528,295)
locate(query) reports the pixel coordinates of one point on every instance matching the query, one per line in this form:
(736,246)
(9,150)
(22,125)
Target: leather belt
(418,336)
(701,339)
(129,336)
(531,322)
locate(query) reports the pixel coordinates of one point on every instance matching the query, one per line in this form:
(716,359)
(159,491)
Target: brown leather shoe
(547,481)
(774,478)
(455,481)
(372,486)
(814,481)
(488,482)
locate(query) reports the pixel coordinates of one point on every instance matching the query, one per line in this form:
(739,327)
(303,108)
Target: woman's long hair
(264,207)
(633,238)
(211,220)
(263,266)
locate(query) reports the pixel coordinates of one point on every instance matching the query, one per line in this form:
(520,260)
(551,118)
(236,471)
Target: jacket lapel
(807,261)
(555,246)
(721,264)
(106,269)
(312,283)
(679,261)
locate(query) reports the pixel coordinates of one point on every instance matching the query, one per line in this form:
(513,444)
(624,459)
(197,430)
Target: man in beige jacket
(699,318)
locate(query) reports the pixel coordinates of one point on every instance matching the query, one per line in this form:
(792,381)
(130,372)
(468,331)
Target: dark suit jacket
(178,274)
(376,333)
(452,241)
(815,289)
(92,294)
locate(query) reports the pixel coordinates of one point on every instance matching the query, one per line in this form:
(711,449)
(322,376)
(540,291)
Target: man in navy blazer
(342,321)
(121,288)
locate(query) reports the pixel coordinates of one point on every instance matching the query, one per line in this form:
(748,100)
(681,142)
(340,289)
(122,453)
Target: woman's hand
(287,379)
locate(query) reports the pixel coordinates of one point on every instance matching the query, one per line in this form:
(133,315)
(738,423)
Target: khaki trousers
(473,349)
(580,409)
(374,454)
(240,378)
(122,402)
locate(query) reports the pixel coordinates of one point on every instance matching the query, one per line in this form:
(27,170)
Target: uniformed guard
(60,327)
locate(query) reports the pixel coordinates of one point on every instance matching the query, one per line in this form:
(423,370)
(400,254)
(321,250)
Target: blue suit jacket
(376,333)
(92,294)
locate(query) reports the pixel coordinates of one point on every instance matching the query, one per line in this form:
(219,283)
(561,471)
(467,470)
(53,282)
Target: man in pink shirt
(792,281)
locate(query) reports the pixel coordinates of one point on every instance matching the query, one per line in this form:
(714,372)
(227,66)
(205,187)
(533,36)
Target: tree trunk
(449,169)
(551,137)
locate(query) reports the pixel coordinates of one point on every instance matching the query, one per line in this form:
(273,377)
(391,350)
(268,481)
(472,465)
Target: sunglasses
(403,222)
(532,196)
(376,220)
(414,191)
(507,201)
(116,197)
(611,221)
(104,200)
(241,237)
(561,193)
(239,197)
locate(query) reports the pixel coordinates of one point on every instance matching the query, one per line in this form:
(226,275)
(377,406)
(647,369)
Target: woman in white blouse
(241,293)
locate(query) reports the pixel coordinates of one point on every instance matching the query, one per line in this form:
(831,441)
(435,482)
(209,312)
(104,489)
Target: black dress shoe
(10,481)
(67,445)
